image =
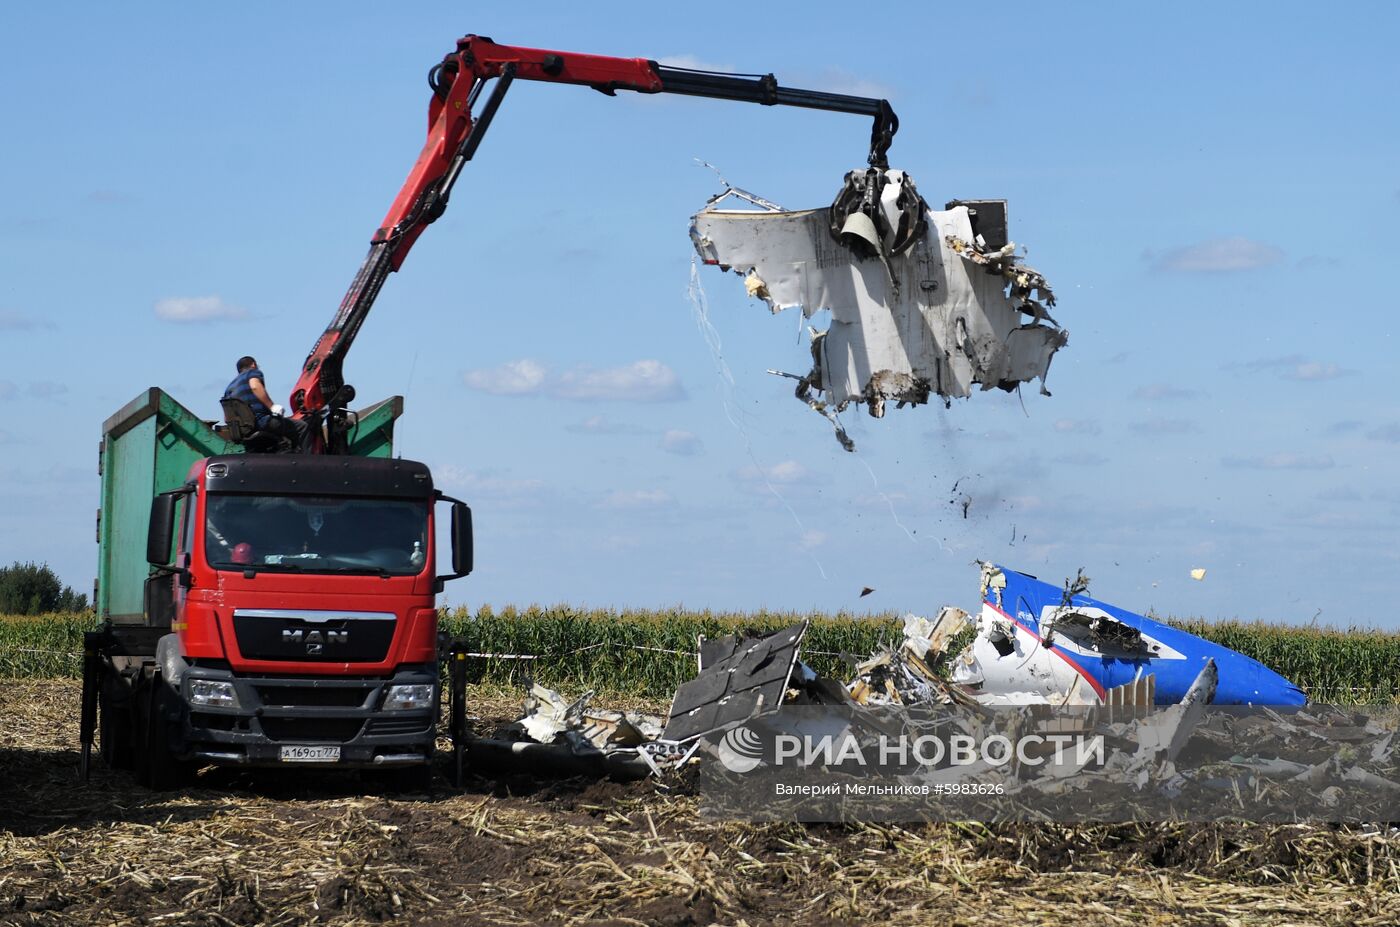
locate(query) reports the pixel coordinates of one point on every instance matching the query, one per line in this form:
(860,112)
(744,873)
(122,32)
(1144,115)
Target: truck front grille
(313,636)
(311,730)
(314,696)
(397,726)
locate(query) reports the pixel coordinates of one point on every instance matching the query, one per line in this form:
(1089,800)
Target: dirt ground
(325,848)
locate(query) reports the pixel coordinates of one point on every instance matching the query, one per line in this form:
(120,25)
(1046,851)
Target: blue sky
(1214,192)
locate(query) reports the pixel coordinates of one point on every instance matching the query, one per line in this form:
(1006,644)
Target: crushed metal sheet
(1161,736)
(903,675)
(550,718)
(950,311)
(738,679)
(567,738)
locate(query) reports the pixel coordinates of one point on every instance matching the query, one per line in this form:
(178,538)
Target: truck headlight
(209,694)
(407,698)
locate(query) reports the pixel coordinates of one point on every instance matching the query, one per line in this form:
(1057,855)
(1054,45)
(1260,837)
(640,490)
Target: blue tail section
(1102,644)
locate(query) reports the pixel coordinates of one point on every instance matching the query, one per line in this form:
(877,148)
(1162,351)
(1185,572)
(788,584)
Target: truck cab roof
(315,475)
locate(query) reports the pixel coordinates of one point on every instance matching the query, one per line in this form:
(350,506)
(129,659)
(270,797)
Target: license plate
(296,753)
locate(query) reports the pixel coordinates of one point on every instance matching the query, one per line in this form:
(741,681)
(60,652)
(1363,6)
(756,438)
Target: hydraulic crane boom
(453,137)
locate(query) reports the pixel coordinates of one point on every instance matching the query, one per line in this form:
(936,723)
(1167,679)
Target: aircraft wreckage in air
(924,303)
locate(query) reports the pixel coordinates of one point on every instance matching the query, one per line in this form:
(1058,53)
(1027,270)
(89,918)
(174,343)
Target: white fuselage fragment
(927,322)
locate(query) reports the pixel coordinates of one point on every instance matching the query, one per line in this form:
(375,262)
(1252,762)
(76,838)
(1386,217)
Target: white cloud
(198,309)
(513,378)
(478,485)
(1282,461)
(788,473)
(637,499)
(837,80)
(1219,255)
(1081,459)
(1070,426)
(1313,370)
(683,443)
(1296,367)
(46,389)
(693,63)
(600,425)
(1157,392)
(811,540)
(1164,426)
(640,381)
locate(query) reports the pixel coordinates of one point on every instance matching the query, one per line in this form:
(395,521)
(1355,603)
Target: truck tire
(114,722)
(157,768)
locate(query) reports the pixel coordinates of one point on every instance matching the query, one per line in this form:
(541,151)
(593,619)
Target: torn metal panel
(738,679)
(1037,643)
(904,675)
(547,714)
(922,637)
(549,718)
(556,736)
(944,314)
(1160,737)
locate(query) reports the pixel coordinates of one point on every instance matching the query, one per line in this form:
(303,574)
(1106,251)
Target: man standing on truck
(250,387)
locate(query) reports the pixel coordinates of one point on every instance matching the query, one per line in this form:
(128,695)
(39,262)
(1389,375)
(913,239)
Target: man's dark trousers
(293,429)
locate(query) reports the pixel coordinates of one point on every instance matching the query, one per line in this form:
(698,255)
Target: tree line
(34,589)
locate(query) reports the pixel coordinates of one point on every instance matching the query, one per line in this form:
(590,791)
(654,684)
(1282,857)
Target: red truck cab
(301,616)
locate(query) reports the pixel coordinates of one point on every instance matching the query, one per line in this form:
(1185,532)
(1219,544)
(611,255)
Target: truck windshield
(316,534)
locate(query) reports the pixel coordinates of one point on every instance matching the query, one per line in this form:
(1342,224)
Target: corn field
(649,652)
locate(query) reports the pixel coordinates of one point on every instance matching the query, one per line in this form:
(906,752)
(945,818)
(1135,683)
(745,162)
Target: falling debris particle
(923,302)
(1198,574)
(865,591)
(1077,586)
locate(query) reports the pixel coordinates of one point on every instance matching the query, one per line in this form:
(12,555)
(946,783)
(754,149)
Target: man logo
(740,750)
(315,641)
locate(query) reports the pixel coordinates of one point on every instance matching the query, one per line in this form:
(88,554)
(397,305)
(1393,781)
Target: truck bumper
(339,716)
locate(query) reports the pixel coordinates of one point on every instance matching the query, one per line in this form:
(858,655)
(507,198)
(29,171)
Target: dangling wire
(700,309)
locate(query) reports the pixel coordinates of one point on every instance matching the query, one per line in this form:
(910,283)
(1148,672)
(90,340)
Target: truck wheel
(156,767)
(114,727)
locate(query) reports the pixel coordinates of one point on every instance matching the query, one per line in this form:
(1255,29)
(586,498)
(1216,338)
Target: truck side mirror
(461,538)
(161,533)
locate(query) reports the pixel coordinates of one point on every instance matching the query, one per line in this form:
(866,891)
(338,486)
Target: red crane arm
(453,136)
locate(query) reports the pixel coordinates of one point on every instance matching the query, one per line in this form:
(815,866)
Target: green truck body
(147,449)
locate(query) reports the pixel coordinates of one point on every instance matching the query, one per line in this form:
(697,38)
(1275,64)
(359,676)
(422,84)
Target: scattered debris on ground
(1141,687)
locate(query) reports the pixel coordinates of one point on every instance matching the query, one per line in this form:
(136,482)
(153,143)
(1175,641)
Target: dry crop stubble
(317,848)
